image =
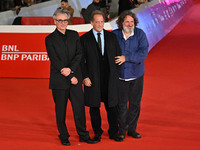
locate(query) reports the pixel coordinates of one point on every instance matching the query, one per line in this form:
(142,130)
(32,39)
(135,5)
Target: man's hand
(87,82)
(74,81)
(120,59)
(65,71)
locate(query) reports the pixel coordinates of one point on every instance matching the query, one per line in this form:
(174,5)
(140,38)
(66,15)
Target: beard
(128,30)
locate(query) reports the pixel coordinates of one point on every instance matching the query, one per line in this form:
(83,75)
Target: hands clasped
(65,72)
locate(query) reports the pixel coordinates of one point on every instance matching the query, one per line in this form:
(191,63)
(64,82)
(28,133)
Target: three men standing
(97,57)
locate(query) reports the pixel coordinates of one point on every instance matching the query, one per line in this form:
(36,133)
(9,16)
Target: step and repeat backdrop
(23,52)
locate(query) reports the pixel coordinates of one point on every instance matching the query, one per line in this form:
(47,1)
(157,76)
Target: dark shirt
(64,36)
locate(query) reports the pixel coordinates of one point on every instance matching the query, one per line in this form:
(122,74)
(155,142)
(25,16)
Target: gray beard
(128,30)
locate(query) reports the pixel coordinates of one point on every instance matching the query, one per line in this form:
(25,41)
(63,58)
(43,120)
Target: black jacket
(63,54)
(90,68)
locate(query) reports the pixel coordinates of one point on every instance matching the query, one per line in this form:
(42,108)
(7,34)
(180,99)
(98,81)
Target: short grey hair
(61,11)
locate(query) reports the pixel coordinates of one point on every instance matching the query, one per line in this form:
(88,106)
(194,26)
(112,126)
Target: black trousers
(96,120)
(75,95)
(130,91)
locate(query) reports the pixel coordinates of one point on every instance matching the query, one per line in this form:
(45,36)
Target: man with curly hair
(134,46)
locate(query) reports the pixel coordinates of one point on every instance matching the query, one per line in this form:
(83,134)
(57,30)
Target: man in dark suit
(101,75)
(64,50)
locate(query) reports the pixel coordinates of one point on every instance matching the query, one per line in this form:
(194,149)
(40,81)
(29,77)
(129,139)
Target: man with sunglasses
(64,51)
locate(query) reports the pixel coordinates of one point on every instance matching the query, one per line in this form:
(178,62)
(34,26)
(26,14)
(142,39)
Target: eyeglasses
(62,21)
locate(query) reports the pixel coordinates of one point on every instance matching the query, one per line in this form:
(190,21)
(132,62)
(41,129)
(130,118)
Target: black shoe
(64,140)
(122,134)
(116,137)
(97,138)
(88,140)
(134,134)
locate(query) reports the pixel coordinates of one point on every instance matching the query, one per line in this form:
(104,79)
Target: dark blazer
(63,54)
(90,68)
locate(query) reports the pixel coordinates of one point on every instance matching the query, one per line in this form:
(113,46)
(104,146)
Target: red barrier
(47,20)
(77,20)
(37,21)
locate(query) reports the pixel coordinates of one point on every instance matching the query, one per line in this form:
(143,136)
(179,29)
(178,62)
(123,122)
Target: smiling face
(128,24)
(61,22)
(98,23)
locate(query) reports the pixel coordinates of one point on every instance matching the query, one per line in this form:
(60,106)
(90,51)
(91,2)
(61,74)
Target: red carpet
(170,116)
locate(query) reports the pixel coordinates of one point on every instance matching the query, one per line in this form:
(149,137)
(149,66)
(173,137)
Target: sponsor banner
(23,55)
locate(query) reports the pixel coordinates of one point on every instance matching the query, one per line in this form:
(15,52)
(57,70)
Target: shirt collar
(125,36)
(95,32)
(61,34)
